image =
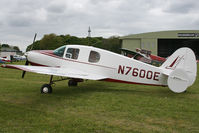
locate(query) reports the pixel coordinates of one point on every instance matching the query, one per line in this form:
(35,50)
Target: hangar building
(163,43)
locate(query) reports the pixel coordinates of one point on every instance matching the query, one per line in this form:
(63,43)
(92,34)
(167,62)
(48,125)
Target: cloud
(55,7)
(20,19)
(181,6)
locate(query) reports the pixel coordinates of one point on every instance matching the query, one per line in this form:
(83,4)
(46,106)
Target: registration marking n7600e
(136,72)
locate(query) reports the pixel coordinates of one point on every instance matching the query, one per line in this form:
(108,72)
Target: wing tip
(3,65)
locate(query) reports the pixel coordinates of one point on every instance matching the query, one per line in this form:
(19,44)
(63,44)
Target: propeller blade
(24,72)
(33,41)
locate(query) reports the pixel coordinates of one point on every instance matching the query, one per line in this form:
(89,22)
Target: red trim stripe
(128,82)
(174,62)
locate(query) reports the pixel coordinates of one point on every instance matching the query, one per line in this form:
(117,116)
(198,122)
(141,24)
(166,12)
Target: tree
(16,48)
(5,45)
(112,44)
(51,41)
(34,46)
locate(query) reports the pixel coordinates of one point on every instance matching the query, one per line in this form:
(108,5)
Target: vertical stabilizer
(182,68)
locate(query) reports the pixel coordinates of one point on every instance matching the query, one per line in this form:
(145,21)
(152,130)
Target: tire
(46,88)
(72,83)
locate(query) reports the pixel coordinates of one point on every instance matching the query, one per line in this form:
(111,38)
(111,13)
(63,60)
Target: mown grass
(94,106)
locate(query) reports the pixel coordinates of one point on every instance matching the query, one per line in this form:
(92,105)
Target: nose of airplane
(29,55)
(26,54)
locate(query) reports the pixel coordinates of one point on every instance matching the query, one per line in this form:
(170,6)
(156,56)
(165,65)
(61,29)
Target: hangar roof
(184,34)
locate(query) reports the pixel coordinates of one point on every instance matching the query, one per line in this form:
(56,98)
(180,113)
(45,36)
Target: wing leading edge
(63,72)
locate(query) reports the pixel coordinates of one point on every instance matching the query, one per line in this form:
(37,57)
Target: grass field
(94,107)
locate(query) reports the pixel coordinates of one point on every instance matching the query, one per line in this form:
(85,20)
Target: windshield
(59,51)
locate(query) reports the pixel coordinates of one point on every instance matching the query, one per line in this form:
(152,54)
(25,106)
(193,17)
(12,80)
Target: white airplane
(77,62)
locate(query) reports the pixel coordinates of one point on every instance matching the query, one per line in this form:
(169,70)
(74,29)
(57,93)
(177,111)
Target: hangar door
(167,46)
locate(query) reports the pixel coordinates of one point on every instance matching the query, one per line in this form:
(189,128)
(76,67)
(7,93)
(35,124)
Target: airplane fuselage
(117,68)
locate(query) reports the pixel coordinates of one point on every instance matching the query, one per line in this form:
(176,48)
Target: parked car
(18,58)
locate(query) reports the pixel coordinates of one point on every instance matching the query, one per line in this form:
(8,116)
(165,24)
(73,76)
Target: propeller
(24,72)
(27,62)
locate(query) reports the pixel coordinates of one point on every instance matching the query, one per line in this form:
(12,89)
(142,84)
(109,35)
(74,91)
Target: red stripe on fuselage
(128,82)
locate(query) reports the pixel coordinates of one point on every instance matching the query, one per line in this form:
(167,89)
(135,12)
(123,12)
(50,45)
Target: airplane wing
(63,72)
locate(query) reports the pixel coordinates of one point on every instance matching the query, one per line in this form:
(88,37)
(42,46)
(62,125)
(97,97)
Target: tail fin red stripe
(174,62)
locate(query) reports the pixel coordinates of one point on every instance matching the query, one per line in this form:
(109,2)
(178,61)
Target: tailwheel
(72,83)
(46,88)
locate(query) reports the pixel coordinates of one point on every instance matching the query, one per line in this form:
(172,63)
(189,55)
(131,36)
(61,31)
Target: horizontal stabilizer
(178,81)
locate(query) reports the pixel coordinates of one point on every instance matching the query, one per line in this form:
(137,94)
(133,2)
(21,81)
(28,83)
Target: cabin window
(72,53)
(59,51)
(94,57)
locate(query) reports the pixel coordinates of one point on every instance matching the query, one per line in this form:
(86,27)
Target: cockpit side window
(72,53)
(94,57)
(59,51)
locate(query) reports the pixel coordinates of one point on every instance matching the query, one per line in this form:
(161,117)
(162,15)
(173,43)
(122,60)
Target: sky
(21,19)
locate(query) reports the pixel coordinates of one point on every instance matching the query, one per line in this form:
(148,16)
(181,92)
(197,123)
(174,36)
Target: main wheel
(46,88)
(72,83)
